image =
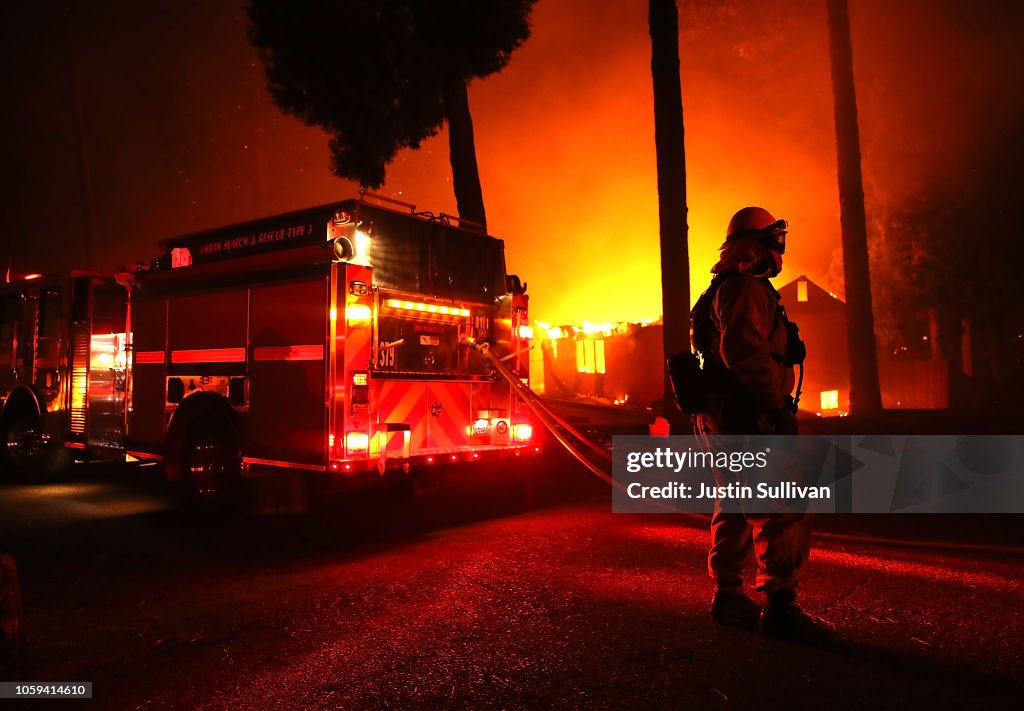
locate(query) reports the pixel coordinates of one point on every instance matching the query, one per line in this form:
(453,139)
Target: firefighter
(750,348)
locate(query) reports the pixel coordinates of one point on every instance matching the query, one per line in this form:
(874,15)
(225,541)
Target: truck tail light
(522,432)
(357,443)
(360,389)
(357,315)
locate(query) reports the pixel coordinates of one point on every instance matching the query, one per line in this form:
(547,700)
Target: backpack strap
(700,315)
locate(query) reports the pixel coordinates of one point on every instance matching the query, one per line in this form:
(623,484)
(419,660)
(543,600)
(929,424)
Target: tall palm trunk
(462,152)
(663,24)
(865,394)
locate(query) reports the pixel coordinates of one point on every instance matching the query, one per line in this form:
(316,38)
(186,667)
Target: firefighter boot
(783,619)
(734,609)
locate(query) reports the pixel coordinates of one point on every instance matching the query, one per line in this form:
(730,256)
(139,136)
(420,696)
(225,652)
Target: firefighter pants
(779,543)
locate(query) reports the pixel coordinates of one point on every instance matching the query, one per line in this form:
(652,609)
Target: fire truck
(328,341)
(63,364)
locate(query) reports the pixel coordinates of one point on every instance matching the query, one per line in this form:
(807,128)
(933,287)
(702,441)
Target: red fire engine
(62,368)
(328,340)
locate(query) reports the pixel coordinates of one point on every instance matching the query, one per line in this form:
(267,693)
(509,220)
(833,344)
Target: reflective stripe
(142,455)
(149,357)
(404,402)
(283,465)
(209,355)
(448,428)
(289,353)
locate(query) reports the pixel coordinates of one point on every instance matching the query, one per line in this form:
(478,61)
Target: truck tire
(23,452)
(213,472)
(203,455)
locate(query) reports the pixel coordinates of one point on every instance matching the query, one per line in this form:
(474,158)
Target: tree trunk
(663,24)
(865,394)
(462,154)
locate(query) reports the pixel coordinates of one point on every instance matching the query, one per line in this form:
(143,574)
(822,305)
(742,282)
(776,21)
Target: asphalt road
(484,594)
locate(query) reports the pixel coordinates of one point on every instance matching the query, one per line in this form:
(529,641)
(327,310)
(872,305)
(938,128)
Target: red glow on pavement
(920,567)
(924,565)
(673,535)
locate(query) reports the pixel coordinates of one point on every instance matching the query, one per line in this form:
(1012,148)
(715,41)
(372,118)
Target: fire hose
(559,428)
(564,433)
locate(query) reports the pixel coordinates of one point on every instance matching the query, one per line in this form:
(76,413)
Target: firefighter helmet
(756,221)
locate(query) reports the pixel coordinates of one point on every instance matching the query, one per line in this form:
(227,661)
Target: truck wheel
(212,468)
(24,448)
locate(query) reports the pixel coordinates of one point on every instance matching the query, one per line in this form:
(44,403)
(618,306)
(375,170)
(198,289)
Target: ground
(479,596)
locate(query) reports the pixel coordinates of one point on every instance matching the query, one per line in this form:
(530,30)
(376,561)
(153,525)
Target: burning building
(623,363)
(620,363)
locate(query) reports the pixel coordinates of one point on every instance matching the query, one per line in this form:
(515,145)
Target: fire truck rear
(328,341)
(62,370)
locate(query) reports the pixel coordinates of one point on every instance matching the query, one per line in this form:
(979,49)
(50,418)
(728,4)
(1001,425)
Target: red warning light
(660,427)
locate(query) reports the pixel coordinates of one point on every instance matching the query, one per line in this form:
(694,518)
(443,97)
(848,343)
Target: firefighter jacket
(749,338)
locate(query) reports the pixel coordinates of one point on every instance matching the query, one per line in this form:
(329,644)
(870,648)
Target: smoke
(180,135)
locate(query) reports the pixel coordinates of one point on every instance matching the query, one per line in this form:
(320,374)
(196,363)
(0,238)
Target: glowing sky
(178,134)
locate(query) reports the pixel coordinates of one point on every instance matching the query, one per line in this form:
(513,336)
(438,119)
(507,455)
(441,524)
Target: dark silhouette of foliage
(946,262)
(382,75)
